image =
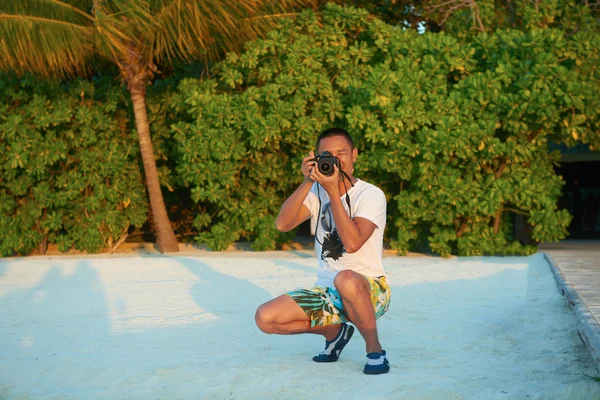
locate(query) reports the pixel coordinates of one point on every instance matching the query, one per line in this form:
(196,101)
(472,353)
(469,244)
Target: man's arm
(293,212)
(353,233)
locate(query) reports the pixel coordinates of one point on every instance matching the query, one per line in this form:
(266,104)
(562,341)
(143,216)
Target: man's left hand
(329,182)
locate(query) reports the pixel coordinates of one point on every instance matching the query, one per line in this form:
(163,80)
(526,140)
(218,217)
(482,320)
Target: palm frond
(191,27)
(43,45)
(60,36)
(77,12)
(125,29)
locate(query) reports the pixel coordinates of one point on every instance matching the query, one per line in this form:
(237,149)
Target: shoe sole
(379,371)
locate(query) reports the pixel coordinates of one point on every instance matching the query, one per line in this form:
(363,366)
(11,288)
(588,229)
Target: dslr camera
(325,162)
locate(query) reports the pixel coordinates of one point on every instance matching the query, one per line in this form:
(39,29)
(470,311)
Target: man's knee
(351,284)
(264,319)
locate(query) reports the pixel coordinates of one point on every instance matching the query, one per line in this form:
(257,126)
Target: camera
(325,162)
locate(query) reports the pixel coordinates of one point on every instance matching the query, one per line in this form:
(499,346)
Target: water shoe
(377,363)
(334,348)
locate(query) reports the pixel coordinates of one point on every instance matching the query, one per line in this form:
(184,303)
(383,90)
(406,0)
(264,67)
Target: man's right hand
(308,163)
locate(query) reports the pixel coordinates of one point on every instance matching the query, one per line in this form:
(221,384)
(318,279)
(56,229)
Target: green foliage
(467,18)
(453,126)
(402,13)
(455,129)
(236,180)
(69,167)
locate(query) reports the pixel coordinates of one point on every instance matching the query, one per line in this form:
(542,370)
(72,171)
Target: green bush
(455,131)
(69,167)
(453,126)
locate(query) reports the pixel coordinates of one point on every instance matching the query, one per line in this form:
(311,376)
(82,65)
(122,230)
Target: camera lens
(326,162)
(326,167)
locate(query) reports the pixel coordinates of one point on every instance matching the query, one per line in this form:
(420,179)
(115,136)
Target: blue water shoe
(334,348)
(377,363)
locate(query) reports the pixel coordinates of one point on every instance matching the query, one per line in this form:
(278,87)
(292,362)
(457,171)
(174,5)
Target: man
(349,216)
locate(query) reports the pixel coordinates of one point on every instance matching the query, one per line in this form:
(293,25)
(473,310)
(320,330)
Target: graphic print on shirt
(332,246)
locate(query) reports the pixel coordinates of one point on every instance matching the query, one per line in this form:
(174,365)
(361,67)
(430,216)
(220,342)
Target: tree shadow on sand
(225,296)
(58,322)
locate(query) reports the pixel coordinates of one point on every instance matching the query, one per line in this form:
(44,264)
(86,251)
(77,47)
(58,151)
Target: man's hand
(329,182)
(308,164)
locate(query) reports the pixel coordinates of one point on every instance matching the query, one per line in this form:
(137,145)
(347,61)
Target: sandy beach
(148,326)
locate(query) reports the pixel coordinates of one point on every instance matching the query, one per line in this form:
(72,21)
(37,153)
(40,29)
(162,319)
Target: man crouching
(350,216)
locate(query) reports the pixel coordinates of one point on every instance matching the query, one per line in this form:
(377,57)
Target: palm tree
(63,38)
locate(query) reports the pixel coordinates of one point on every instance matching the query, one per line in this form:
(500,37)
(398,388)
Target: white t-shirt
(366,201)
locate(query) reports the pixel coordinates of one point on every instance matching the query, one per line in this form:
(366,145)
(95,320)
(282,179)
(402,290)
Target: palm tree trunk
(497,220)
(167,242)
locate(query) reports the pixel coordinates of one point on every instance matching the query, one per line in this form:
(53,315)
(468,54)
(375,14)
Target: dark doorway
(581,197)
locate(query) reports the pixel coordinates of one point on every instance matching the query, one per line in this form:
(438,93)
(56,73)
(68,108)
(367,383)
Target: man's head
(335,132)
(339,143)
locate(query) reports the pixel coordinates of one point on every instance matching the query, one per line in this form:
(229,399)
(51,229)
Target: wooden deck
(576,266)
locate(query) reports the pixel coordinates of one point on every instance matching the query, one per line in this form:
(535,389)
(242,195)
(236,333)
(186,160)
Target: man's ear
(354,154)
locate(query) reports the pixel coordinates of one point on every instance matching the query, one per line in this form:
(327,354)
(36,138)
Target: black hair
(335,132)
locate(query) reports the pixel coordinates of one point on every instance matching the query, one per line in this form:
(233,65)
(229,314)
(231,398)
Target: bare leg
(356,296)
(283,316)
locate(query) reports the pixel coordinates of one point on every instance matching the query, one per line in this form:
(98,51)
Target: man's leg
(283,316)
(356,297)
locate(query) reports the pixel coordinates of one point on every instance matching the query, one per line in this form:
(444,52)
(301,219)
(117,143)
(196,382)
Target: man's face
(340,147)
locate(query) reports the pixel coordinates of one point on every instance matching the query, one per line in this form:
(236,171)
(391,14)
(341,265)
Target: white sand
(157,327)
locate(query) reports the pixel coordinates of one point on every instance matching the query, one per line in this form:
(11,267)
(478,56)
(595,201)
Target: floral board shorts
(323,305)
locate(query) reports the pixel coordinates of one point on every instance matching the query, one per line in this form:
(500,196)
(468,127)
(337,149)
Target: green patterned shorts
(323,305)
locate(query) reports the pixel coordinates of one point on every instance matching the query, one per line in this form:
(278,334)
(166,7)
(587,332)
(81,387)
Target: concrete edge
(587,325)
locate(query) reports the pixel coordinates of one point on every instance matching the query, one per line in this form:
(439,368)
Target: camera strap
(344,177)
